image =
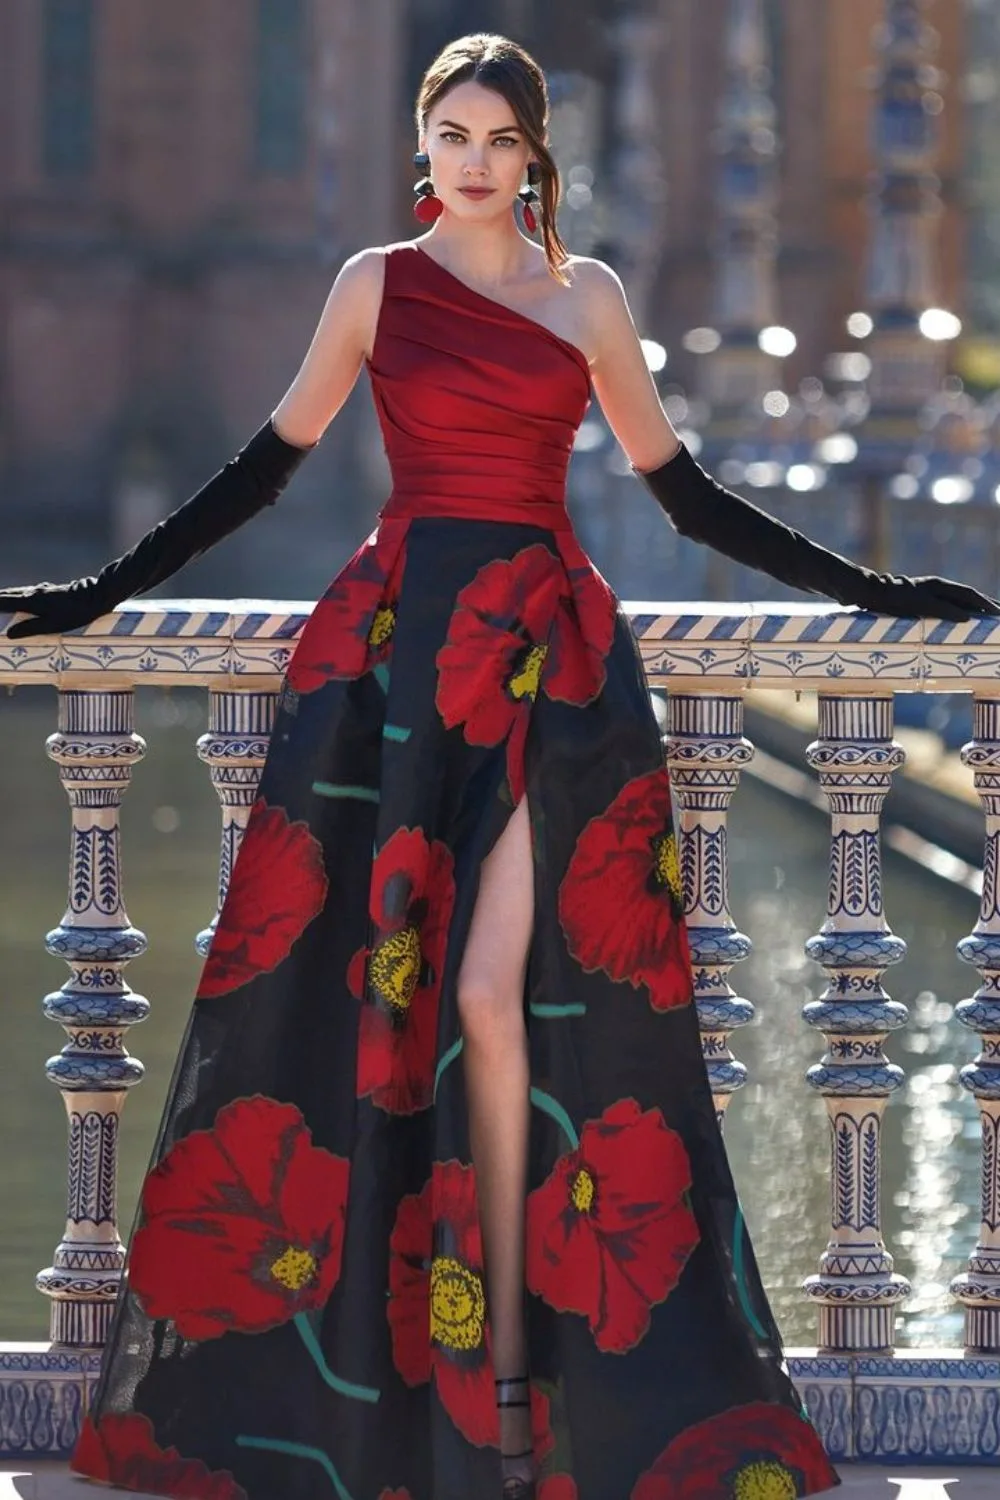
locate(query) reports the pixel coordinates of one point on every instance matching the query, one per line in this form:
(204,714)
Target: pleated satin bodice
(478,404)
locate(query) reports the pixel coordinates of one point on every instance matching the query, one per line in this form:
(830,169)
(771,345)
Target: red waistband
(412,505)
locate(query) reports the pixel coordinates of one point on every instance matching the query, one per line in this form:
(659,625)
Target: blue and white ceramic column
(978,1288)
(234,749)
(856,1291)
(95,748)
(706,751)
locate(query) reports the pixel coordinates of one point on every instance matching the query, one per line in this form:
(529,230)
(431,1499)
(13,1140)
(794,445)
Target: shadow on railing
(868,1399)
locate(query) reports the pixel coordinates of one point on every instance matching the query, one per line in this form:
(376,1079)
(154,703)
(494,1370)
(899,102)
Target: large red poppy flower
(762,1448)
(584,628)
(513,632)
(621,903)
(278,886)
(122,1450)
(412,895)
(610,1230)
(351,627)
(437,1300)
(242,1224)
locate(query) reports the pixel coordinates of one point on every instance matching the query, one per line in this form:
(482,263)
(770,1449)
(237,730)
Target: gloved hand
(701,508)
(251,480)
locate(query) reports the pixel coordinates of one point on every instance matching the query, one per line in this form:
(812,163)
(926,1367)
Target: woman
(440,1208)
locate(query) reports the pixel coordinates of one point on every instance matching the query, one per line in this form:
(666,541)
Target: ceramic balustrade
(867,1397)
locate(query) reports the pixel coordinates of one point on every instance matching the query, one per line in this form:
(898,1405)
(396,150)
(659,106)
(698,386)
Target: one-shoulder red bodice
(478,404)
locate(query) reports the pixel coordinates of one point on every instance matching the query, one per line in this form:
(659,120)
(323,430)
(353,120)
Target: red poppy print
(558,1487)
(543,1439)
(437,1300)
(621,901)
(512,633)
(543,1442)
(761,1448)
(399,975)
(352,626)
(278,885)
(242,1224)
(584,628)
(122,1450)
(611,1228)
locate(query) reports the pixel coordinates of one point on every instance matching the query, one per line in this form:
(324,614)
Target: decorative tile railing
(868,1399)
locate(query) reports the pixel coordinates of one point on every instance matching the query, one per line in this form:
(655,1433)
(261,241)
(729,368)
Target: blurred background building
(803,200)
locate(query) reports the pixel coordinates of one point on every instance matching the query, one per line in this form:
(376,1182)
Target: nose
(475,167)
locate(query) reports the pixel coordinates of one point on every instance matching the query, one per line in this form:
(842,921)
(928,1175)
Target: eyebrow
(502,130)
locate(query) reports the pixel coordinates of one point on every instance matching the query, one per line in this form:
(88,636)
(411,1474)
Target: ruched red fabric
(478,404)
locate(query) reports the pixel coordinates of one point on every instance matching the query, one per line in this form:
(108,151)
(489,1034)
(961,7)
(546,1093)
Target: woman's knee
(490,1006)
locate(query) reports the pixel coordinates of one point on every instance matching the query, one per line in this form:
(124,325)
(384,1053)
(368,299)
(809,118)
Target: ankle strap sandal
(513,1390)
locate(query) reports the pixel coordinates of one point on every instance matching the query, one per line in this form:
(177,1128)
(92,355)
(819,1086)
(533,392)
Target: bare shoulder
(598,285)
(363,273)
(601,312)
(356,296)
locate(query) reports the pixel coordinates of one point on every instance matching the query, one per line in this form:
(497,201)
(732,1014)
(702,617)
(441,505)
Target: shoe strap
(504,1390)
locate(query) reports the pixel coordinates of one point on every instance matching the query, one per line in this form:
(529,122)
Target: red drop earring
(428,206)
(529,197)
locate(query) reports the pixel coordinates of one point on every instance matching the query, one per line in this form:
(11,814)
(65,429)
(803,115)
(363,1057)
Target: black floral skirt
(305,1313)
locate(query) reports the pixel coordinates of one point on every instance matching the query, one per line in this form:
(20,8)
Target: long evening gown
(305,1315)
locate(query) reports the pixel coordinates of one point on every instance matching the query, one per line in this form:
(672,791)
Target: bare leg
(495,1052)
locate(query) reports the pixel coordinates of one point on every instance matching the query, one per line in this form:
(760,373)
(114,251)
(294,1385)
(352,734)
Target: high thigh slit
(491,996)
(304,1314)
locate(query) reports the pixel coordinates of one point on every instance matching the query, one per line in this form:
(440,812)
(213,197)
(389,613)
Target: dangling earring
(529,197)
(428,205)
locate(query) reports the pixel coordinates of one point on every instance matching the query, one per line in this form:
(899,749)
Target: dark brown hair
(497,63)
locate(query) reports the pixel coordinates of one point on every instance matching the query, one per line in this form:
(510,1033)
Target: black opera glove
(701,508)
(254,478)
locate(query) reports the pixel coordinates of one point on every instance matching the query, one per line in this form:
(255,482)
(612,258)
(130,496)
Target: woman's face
(474,142)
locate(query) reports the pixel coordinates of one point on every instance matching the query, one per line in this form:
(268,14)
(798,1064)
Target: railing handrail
(763,644)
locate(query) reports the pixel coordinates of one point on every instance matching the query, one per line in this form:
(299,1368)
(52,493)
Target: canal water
(776,1130)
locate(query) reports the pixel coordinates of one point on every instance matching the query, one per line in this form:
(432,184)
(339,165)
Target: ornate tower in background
(901,280)
(638,35)
(744,297)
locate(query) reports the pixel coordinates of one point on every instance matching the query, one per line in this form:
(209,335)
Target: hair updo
(497,63)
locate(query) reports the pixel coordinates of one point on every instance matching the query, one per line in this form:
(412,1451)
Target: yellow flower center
(582,1192)
(458,1305)
(394,968)
(667,867)
(765,1479)
(524,682)
(294,1269)
(382,626)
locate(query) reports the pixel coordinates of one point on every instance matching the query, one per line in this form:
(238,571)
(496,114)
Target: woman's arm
(343,339)
(702,509)
(621,378)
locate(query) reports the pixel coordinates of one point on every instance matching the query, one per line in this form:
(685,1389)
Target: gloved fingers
(26,598)
(942,605)
(985,605)
(34,626)
(963,597)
